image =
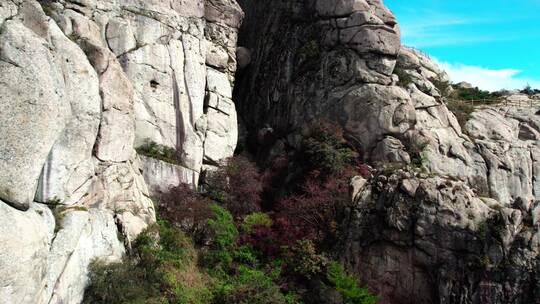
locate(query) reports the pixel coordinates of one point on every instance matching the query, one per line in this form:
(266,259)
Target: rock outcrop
(450,216)
(458,222)
(82,84)
(322,66)
(421,239)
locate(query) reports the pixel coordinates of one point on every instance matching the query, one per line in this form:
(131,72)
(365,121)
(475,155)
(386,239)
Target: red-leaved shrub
(237,184)
(318,209)
(270,241)
(187,209)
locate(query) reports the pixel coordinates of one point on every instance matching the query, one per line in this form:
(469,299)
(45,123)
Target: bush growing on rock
(461,110)
(348,287)
(251,286)
(305,261)
(325,149)
(404,78)
(529,90)
(231,244)
(220,254)
(161,152)
(471,94)
(318,209)
(240,277)
(119,283)
(237,185)
(160,270)
(187,209)
(256,219)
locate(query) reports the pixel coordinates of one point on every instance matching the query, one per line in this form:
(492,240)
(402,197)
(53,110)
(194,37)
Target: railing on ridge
(519,103)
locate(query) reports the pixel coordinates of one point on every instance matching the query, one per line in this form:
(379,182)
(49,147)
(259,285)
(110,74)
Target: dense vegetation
(247,236)
(474,94)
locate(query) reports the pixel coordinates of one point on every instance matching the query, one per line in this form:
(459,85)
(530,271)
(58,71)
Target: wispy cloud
(488,79)
(428,28)
(435,29)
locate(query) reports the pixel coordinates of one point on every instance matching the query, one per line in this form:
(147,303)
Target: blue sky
(493,44)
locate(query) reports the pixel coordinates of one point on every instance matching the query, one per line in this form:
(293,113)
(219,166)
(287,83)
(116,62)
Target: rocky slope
(83,83)
(452,214)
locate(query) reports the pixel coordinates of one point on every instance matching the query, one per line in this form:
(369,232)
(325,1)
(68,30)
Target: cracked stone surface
(84,83)
(459,222)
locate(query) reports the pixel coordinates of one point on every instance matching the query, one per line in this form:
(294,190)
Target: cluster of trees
(529,90)
(248,235)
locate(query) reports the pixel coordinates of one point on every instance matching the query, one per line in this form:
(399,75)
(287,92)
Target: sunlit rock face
(84,83)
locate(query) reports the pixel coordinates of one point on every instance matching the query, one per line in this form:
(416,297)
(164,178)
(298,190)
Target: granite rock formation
(82,84)
(451,214)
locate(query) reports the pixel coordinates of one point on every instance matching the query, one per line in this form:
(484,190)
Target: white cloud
(488,79)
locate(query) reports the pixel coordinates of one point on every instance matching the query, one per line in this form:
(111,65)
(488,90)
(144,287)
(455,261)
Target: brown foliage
(187,209)
(237,184)
(318,209)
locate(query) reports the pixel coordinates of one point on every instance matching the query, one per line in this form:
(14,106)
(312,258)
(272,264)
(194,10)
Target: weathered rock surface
(160,175)
(337,65)
(458,224)
(432,240)
(26,239)
(35,96)
(83,83)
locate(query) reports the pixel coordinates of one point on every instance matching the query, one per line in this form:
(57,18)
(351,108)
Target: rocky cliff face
(452,214)
(83,83)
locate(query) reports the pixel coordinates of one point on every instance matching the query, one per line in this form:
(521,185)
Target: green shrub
(464,101)
(256,219)
(219,256)
(473,94)
(120,283)
(308,57)
(225,232)
(304,260)
(161,152)
(310,51)
(324,148)
(245,254)
(404,78)
(416,151)
(250,286)
(348,287)
(58,210)
(442,86)
(529,90)
(162,269)
(47,6)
